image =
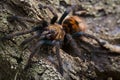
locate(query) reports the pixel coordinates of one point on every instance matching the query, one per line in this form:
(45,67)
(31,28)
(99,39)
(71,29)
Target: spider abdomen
(74,24)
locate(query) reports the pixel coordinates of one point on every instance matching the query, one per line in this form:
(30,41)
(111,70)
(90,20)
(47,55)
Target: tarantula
(53,33)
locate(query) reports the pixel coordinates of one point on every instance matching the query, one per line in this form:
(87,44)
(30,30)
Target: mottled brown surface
(102,18)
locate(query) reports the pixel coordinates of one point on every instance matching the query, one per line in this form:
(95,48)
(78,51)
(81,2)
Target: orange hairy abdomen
(74,24)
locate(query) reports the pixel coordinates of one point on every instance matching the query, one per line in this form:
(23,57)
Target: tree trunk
(96,63)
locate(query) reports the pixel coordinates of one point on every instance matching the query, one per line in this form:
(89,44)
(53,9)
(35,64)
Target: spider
(53,33)
(48,33)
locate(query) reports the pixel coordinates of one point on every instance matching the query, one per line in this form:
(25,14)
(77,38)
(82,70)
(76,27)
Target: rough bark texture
(103,21)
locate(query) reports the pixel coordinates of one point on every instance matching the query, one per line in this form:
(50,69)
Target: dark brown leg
(68,10)
(20,19)
(39,44)
(28,40)
(54,19)
(9,36)
(74,45)
(78,34)
(57,45)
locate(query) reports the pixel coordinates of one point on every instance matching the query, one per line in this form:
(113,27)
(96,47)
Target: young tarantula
(53,34)
(48,33)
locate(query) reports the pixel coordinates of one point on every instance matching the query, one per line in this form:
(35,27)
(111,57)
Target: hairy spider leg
(9,36)
(74,45)
(38,28)
(55,17)
(33,37)
(68,10)
(57,45)
(28,40)
(39,44)
(78,34)
(46,42)
(20,18)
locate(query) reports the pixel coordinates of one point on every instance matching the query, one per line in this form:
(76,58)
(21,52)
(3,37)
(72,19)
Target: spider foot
(60,70)
(58,67)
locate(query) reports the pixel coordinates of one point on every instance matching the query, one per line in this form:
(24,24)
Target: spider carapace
(56,31)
